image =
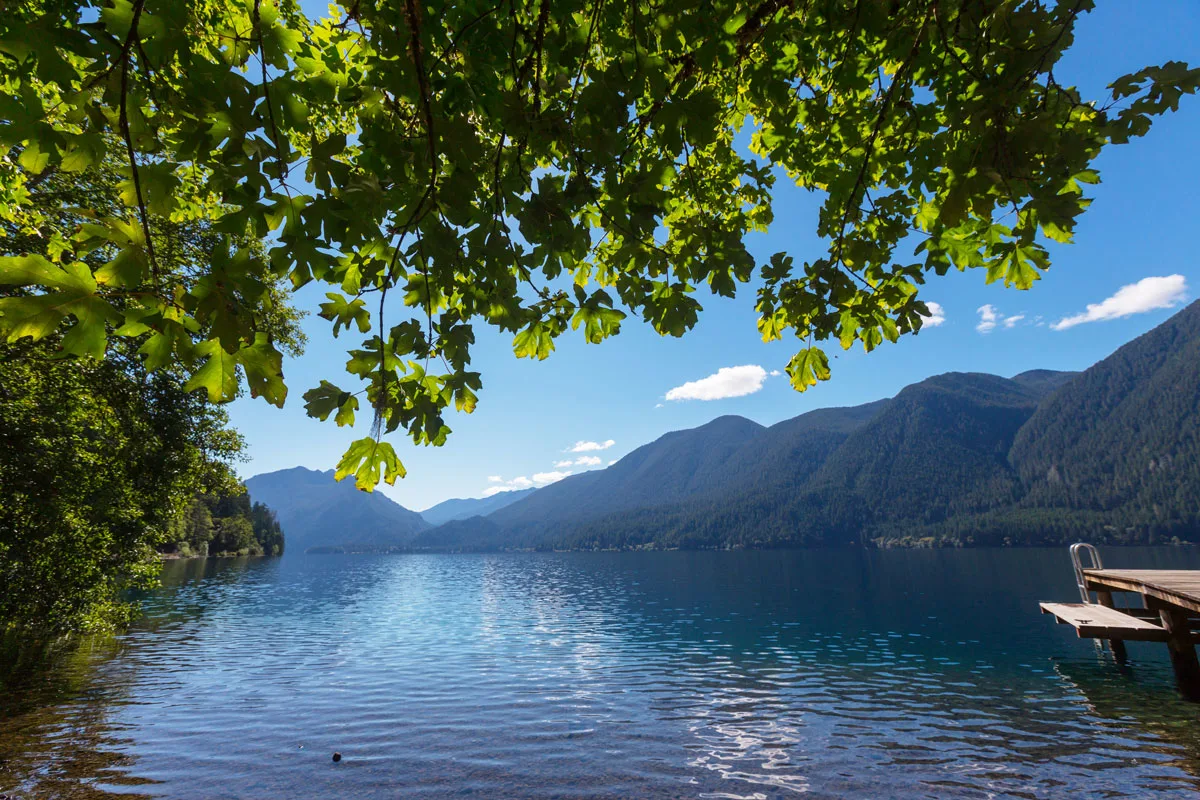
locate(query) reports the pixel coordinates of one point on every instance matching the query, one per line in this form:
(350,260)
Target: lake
(876,674)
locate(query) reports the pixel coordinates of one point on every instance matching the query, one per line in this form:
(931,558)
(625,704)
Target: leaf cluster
(537,169)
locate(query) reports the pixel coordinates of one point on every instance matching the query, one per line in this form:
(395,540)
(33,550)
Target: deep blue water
(894,674)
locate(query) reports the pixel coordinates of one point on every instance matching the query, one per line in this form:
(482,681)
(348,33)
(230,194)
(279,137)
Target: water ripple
(715,675)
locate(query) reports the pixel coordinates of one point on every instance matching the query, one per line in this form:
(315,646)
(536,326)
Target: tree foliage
(537,167)
(97,462)
(226,523)
(99,458)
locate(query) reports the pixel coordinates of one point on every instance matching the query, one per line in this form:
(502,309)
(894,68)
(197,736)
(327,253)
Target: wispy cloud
(563,464)
(990,317)
(501,485)
(1148,294)
(584,461)
(936,316)
(612,462)
(523,482)
(987,318)
(725,382)
(587,447)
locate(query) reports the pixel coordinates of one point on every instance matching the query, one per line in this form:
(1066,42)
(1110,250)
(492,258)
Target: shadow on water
(56,736)
(1133,697)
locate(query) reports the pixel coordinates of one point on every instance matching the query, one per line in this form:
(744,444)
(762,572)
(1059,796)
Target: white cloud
(987,318)
(658,405)
(774,373)
(561,464)
(587,461)
(542,478)
(725,382)
(586,447)
(519,482)
(990,317)
(612,462)
(937,315)
(1148,294)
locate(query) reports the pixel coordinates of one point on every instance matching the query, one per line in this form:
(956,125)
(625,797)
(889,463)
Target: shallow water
(894,674)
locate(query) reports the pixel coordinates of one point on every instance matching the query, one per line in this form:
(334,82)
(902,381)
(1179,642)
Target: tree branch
(130,41)
(262,60)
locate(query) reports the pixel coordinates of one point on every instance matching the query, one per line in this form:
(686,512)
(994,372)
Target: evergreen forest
(1110,455)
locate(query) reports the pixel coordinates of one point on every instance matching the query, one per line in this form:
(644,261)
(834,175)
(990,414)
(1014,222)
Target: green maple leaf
(535,341)
(323,400)
(89,335)
(36,270)
(343,313)
(367,460)
(807,368)
(218,376)
(35,317)
(599,322)
(263,365)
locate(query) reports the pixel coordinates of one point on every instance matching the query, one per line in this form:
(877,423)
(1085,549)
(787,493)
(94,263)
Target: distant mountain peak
(464,508)
(317,511)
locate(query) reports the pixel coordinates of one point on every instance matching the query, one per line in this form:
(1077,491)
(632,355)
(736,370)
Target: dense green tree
(100,459)
(233,535)
(536,167)
(267,531)
(216,524)
(194,530)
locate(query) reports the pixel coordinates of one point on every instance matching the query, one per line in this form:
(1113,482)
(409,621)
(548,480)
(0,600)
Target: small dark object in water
(337,756)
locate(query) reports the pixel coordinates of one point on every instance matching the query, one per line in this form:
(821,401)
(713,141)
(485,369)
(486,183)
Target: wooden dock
(1170,613)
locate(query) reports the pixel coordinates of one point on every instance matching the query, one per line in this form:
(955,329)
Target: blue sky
(1143,224)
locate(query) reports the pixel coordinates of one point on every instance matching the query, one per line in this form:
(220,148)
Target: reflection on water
(726,675)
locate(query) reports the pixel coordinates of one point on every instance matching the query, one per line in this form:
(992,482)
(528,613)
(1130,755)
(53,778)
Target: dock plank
(1179,587)
(1098,622)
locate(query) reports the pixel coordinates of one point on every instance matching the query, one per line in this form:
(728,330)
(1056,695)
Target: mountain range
(467,507)
(1109,454)
(315,511)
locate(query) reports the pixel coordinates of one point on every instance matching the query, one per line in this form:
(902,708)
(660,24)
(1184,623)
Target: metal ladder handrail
(1077,563)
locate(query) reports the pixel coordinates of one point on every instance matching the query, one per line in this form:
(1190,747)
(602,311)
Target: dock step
(1100,622)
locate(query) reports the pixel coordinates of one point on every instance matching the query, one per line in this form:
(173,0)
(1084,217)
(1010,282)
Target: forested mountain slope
(677,465)
(467,507)
(937,450)
(1123,440)
(1111,454)
(697,468)
(1046,457)
(317,511)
